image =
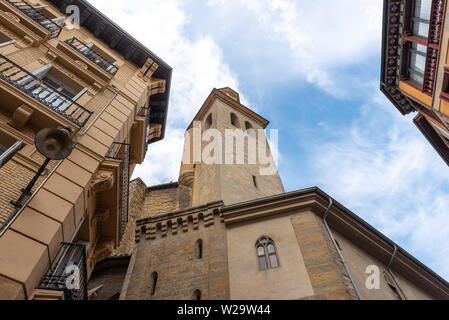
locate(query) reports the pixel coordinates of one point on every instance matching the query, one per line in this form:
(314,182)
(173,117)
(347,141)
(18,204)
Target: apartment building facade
(415,65)
(110,94)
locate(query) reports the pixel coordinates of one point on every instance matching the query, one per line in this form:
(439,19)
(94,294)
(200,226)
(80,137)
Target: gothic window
(199,249)
(196,295)
(154,277)
(234,120)
(209,121)
(266,254)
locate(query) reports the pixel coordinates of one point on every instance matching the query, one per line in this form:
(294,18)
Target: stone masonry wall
(327,274)
(181,273)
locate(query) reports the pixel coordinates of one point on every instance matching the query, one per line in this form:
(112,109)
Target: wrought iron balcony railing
(57,101)
(37,16)
(145,112)
(68,272)
(121,152)
(92,55)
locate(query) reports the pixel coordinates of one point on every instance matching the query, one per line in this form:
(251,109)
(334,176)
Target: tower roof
(232,99)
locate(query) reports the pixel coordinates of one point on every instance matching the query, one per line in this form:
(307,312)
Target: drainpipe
(391,272)
(326,215)
(6,227)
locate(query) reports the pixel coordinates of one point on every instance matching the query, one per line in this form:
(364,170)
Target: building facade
(111,92)
(228,232)
(415,65)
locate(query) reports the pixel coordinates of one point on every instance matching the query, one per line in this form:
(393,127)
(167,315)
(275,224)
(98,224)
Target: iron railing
(92,55)
(145,112)
(36,88)
(39,17)
(121,152)
(68,272)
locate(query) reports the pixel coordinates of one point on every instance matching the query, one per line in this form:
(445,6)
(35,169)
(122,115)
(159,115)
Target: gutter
(326,215)
(391,272)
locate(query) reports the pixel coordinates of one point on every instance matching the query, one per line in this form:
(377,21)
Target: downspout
(6,227)
(391,272)
(326,215)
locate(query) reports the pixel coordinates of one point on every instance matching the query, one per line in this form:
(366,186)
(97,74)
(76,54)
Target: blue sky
(312,68)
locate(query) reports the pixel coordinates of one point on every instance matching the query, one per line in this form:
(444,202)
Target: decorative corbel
(49,58)
(103,181)
(21,116)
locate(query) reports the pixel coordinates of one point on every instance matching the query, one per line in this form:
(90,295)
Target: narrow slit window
(154,277)
(199,249)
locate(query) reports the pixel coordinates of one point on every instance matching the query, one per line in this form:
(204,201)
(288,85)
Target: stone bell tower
(226,153)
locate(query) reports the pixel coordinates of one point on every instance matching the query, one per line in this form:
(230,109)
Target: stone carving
(103,181)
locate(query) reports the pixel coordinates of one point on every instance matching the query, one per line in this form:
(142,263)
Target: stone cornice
(346,223)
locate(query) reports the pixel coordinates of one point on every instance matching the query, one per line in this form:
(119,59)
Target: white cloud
(198,68)
(383,169)
(321,36)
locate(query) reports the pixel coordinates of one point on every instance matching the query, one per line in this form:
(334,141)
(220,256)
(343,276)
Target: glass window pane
(274,261)
(271,248)
(263,241)
(263,263)
(260,251)
(423,9)
(421,29)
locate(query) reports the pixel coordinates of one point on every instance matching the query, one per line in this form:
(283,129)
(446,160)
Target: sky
(311,67)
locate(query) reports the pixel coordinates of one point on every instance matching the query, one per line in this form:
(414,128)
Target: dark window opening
(154,277)
(209,121)
(199,249)
(196,295)
(234,120)
(255,181)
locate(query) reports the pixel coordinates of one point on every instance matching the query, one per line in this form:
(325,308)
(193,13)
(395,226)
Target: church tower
(226,154)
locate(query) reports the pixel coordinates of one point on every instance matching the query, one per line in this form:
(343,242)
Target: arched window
(199,249)
(196,295)
(266,253)
(234,120)
(209,121)
(248,125)
(154,277)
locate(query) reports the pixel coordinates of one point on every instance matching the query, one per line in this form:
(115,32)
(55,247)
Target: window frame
(264,242)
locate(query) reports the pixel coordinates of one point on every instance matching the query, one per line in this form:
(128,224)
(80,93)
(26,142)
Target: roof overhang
(343,221)
(131,49)
(392,41)
(433,137)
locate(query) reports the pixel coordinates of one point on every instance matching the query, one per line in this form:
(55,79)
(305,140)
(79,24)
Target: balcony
(44,21)
(68,272)
(121,152)
(92,55)
(35,88)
